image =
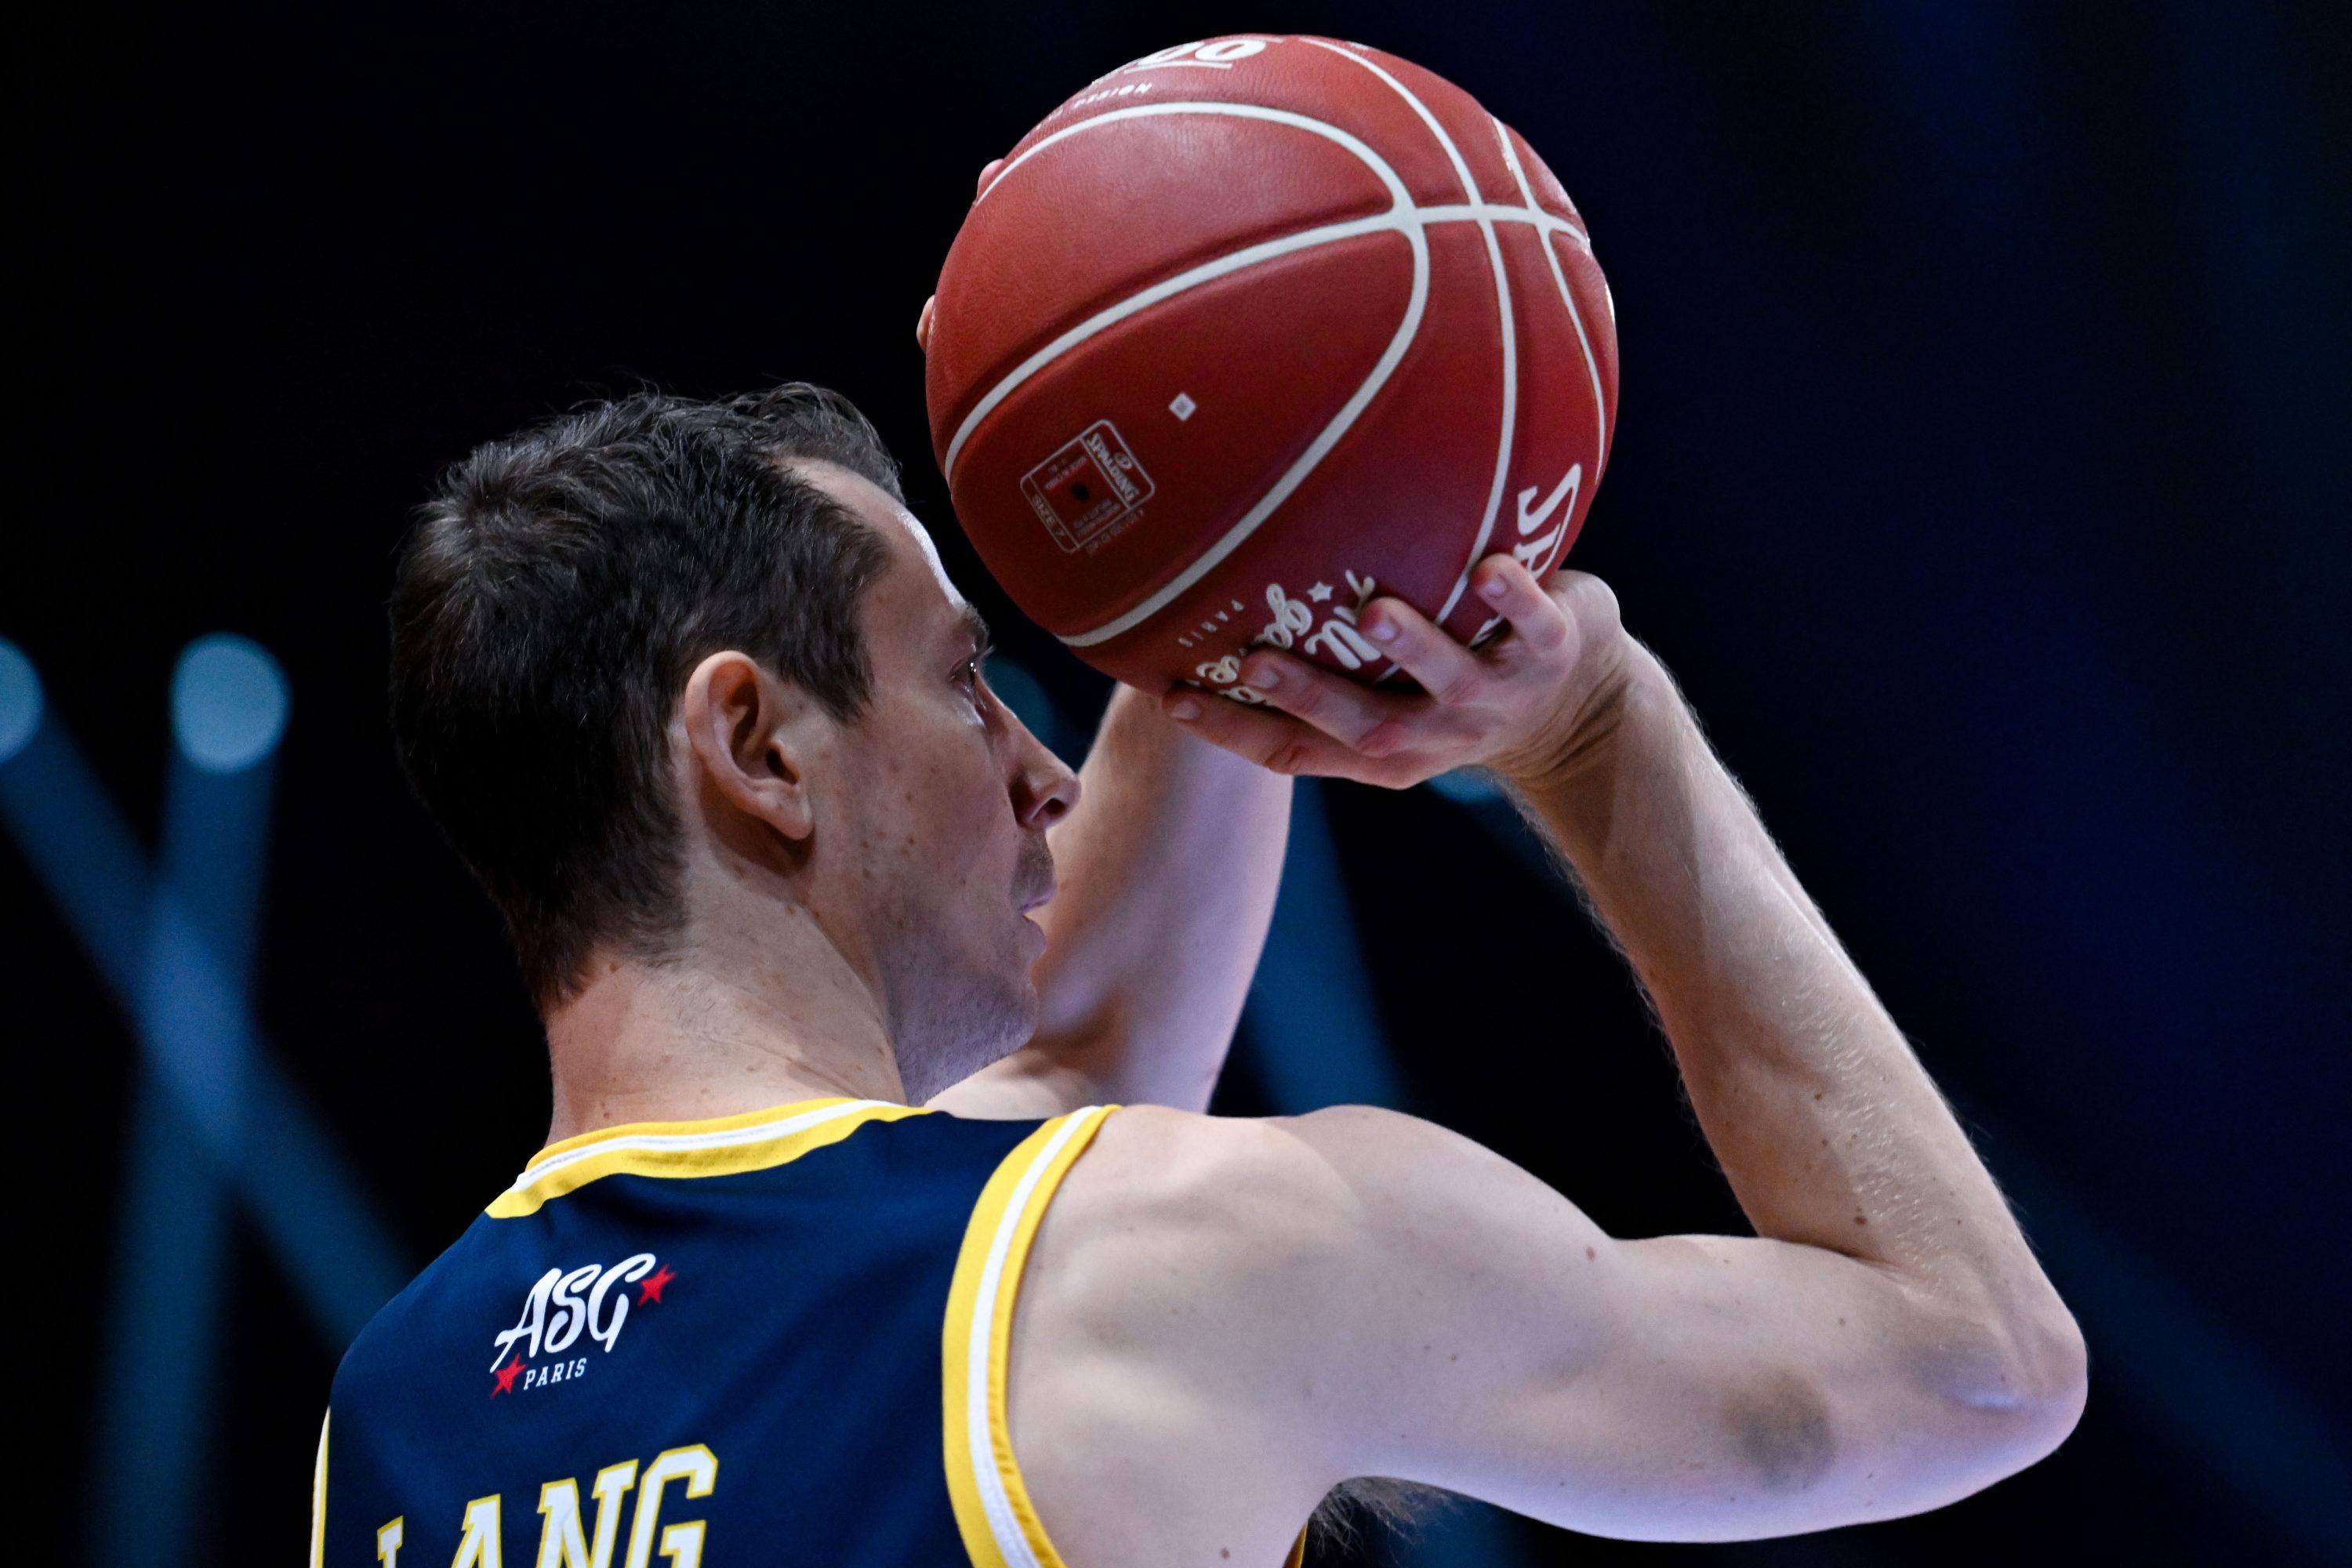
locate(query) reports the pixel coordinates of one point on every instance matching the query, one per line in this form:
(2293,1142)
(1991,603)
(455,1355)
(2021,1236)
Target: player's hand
(1537,698)
(930,306)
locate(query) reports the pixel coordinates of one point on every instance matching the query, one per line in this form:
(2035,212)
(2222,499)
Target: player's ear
(744,729)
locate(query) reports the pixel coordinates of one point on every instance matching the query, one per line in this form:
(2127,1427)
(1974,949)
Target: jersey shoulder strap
(993,1510)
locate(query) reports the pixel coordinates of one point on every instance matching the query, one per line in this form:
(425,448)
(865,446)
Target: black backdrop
(1981,473)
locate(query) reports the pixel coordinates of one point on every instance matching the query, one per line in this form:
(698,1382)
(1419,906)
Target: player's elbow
(1996,1404)
(2023,1393)
(2053,1379)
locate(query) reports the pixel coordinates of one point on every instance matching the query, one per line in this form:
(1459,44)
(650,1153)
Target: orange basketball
(1251,330)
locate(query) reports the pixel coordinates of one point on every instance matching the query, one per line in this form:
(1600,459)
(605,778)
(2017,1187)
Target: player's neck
(684,1042)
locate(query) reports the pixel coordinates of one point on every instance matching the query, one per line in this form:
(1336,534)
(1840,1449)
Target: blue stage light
(161,1373)
(310,1209)
(20,699)
(228,702)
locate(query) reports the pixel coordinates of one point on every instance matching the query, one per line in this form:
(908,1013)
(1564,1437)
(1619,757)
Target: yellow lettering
(388,1542)
(481,1546)
(681,1542)
(562,1542)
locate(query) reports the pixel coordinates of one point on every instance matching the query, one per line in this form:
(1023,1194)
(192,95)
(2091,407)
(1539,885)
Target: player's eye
(968,673)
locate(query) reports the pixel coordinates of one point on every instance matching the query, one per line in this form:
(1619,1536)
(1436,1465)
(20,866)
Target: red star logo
(505,1377)
(651,1289)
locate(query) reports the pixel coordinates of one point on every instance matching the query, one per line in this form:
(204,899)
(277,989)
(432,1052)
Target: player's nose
(1044,788)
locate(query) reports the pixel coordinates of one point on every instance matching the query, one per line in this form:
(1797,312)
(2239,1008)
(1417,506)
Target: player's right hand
(1537,699)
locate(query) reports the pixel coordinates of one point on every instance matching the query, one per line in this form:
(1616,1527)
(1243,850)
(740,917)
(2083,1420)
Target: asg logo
(565,1303)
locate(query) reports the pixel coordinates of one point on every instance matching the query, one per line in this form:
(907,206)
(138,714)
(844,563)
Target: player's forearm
(1830,1130)
(1167,872)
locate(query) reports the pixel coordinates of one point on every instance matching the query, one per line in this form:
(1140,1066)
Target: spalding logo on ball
(1251,330)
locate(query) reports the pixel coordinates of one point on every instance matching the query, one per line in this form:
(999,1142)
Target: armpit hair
(1401,1507)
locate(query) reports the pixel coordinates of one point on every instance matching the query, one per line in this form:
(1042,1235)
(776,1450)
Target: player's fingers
(1534,617)
(1446,670)
(986,175)
(923,324)
(1271,740)
(1356,716)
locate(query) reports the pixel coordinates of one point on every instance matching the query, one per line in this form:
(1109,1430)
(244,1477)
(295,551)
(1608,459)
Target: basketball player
(838,1253)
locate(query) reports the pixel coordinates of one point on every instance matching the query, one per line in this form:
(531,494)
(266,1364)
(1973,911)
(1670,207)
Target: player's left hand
(1531,701)
(931,305)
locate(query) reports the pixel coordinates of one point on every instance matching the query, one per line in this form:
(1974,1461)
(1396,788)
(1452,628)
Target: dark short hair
(558,589)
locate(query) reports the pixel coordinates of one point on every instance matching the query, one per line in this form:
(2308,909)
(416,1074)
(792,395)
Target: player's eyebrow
(975,631)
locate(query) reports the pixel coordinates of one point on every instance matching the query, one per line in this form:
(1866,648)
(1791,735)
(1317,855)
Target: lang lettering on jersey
(563,1543)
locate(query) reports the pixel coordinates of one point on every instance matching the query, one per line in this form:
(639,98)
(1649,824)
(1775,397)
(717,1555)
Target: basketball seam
(1508,433)
(1407,223)
(1558,276)
(1232,261)
(1305,464)
(1406,217)
(1296,475)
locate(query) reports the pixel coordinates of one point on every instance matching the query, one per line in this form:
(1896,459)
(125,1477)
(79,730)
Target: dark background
(1981,474)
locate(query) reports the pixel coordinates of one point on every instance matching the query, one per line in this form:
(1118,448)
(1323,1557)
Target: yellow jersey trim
(993,1510)
(318,1496)
(720,1146)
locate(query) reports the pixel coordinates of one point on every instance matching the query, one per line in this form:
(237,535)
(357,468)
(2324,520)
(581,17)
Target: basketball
(1251,330)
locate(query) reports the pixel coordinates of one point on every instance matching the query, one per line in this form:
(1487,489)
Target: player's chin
(1032,940)
(1016,1008)
(1018,941)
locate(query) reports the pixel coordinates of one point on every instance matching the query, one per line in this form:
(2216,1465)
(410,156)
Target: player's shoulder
(1231,1202)
(1152,1163)
(416,1325)
(1172,1210)
(1151,1155)
(1223,1258)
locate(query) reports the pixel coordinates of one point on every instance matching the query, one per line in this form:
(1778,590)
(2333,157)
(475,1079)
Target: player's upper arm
(1454,1321)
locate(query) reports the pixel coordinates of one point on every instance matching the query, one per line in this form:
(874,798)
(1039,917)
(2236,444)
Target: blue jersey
(776,1338)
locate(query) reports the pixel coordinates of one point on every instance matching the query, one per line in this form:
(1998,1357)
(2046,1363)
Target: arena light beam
(312,1214)
(229,713)
(20,701)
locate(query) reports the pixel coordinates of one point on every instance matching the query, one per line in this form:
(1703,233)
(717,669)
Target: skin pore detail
(950,795)
(858,893)
(908,521)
